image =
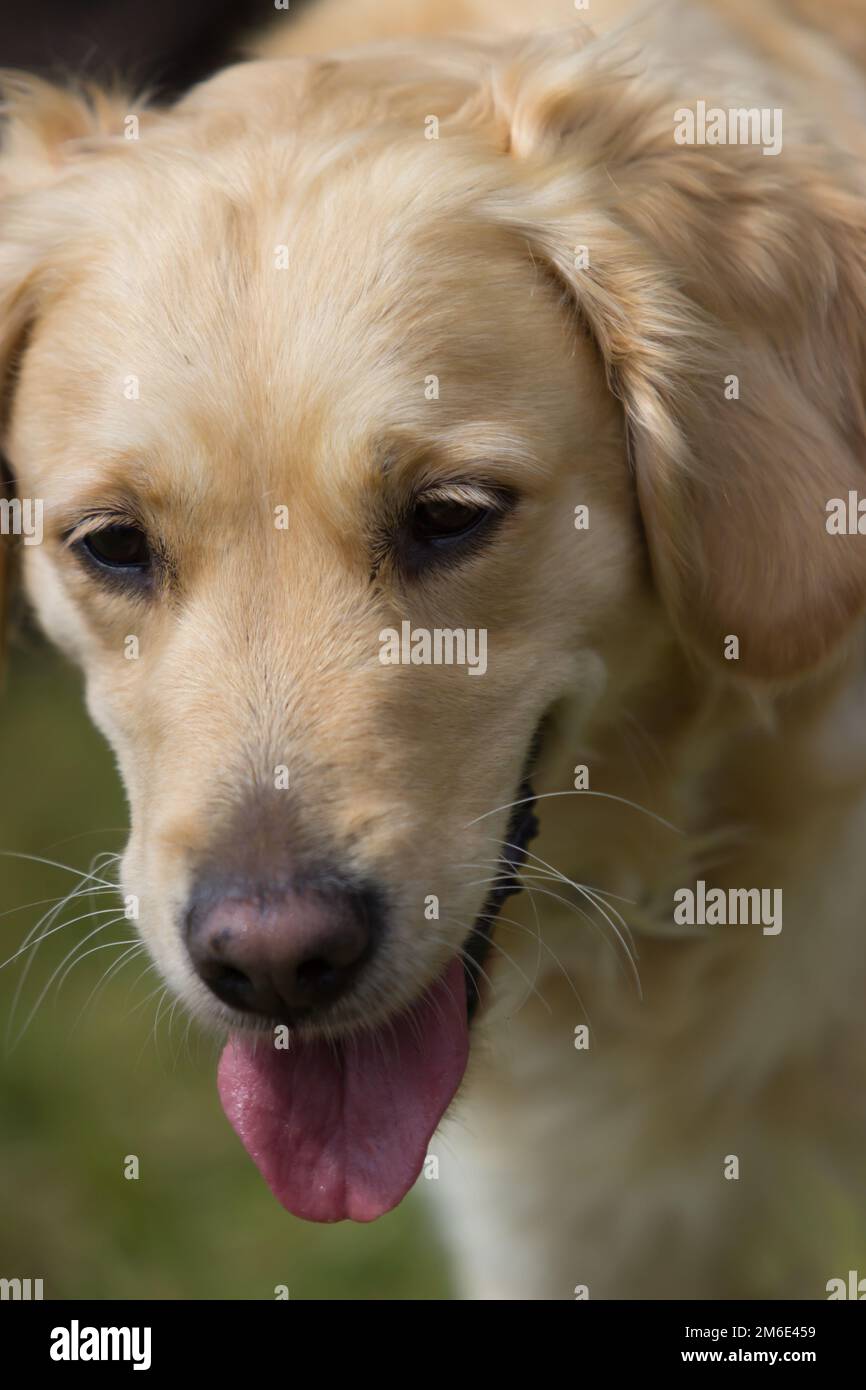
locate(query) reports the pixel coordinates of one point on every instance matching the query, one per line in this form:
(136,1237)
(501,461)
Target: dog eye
(446,519)
(118,548)
(445,526)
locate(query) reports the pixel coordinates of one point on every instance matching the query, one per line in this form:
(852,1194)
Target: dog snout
(281,953)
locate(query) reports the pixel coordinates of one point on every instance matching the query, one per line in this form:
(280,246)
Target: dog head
(375,409)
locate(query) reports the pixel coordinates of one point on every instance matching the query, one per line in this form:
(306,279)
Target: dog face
(299,386)
(267,469)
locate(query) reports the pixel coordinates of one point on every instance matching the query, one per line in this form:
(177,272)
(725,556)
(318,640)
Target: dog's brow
(476,453)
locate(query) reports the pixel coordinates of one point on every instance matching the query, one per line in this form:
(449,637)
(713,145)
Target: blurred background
(93,1066)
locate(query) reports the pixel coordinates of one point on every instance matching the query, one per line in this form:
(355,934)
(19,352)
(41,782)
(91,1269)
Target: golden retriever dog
(448,454)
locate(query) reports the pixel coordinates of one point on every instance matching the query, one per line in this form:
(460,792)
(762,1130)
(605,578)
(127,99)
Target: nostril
(229,978)
(319,976)
(228,983)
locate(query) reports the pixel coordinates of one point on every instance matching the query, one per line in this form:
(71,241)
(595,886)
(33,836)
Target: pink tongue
(342,1130)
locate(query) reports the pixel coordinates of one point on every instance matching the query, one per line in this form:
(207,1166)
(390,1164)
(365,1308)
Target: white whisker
(608,796)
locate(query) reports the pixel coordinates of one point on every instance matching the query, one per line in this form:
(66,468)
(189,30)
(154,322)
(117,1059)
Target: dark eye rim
(478,515)
(420,552)
(87,548)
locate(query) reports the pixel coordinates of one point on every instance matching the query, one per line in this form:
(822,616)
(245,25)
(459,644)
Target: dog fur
(602,385)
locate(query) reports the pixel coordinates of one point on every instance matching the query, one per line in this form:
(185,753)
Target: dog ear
(726,290)
(47,133)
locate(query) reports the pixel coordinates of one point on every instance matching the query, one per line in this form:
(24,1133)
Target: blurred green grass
(84,1089)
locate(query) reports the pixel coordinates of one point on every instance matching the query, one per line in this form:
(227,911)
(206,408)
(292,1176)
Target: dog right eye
(118,548)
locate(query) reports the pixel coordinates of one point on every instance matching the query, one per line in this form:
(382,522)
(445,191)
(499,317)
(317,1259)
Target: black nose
(281,952)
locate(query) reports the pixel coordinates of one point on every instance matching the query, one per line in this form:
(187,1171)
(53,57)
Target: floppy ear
(47,133)
(727,292)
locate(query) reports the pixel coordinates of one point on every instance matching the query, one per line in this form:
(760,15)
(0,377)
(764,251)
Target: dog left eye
(446,519)
(118,548)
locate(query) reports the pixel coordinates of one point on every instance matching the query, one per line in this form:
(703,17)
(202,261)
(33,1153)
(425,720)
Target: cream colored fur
(602,386)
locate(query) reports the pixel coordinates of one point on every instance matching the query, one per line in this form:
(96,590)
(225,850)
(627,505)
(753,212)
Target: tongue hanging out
(341,1130)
